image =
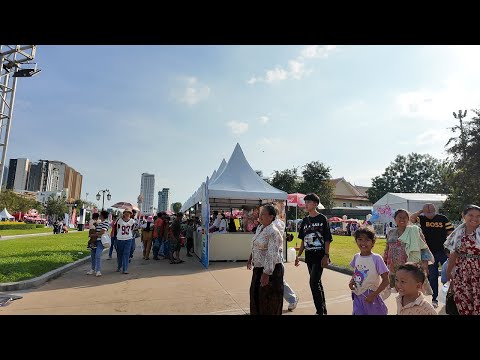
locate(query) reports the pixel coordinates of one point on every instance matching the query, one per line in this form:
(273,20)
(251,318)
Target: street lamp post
(462,135)
(109,196)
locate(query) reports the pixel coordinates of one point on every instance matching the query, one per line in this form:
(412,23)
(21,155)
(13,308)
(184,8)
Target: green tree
(316,179)
(56,206)
(14,202)
(463,179)
(414,173)
(176,207)
(286,180)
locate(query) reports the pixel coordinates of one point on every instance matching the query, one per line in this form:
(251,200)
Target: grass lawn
(27,258)
(343,248)
(27,231)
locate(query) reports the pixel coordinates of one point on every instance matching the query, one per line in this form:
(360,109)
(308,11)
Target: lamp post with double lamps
(109,196)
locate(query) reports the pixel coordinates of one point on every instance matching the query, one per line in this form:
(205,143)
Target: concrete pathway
(157,287)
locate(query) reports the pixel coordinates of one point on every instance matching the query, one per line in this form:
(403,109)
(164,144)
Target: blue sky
(114,112)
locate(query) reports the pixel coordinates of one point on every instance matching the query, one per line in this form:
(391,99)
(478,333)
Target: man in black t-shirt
(436,228)
(316,238)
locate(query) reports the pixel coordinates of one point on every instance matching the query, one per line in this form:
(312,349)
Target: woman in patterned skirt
(464,247)
(266,289)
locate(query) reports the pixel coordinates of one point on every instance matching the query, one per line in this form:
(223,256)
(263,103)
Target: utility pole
(15,62)
(462,133)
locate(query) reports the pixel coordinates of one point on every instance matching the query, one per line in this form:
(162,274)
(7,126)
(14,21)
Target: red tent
(296,199)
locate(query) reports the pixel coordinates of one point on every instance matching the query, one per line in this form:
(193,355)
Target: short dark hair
(104,214)
(95,215)
(470,207)
(179,214)
(271,210)
(415,269)
(312,197)
(365,231)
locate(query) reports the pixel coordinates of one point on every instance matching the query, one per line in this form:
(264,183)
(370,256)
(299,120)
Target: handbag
(106,240)
(450,306)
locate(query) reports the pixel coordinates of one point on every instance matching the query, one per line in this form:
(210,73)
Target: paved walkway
(157,287)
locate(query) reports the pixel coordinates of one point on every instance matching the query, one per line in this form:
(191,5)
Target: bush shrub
(17,226)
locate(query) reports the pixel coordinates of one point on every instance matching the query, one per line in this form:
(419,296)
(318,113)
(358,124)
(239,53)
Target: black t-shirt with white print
(314,231)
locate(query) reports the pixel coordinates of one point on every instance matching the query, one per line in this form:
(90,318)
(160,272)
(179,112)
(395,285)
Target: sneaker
(293,305)
(98,273)
(91,272)
(109,258)
(435,304)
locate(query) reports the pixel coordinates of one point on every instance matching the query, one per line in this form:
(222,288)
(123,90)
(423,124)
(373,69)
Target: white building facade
(147,190)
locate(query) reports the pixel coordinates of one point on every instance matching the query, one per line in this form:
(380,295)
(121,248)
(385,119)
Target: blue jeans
(123,254)
(96,256)
(132,248)
(288,294)
(440,257)
(112,245)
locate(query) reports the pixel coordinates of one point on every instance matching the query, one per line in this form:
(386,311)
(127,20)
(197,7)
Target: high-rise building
(18,174)
(46,175)
(147,190)
(69,179)
(163,199)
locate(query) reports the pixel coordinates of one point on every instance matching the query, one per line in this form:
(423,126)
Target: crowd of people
(416,247)
(160,235)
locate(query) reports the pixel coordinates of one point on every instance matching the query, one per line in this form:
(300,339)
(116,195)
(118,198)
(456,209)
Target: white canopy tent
(239,181)
(412,202)
(5,214)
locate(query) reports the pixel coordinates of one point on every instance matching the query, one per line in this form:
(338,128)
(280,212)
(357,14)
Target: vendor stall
(235,186)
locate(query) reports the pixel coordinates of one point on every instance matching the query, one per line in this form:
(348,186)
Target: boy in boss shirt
(124,234)
(436,227)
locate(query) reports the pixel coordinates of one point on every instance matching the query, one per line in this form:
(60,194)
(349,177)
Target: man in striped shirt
(436,228)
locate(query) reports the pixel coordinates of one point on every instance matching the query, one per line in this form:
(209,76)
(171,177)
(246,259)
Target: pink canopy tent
(296,199)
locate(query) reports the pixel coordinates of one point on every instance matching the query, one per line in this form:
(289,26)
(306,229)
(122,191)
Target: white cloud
(237,127)
(296,67)
(277,74)
(264,119)
(316,51)
(194,92)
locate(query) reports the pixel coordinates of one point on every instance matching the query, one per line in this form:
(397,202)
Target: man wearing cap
(436,228)
(316,238)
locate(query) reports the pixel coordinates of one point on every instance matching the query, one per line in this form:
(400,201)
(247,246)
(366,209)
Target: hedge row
(19,226)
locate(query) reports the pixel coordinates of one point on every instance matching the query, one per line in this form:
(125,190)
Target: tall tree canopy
(414,173)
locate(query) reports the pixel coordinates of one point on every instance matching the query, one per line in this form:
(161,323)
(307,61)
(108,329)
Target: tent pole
(296,225)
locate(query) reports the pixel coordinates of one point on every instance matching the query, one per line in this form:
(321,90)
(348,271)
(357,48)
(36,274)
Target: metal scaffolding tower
(15,61)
